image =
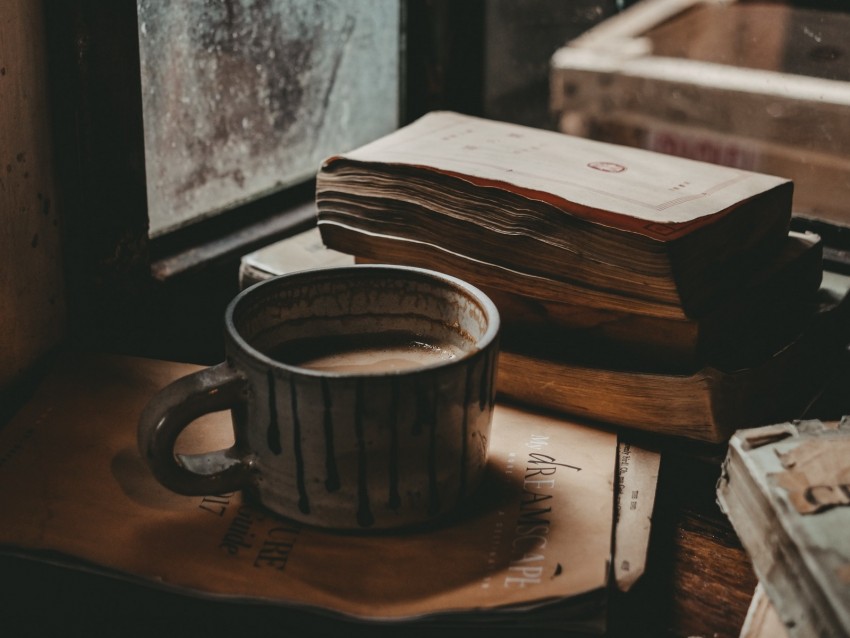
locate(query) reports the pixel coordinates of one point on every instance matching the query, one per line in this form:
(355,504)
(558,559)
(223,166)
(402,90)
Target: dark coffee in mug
(371,353)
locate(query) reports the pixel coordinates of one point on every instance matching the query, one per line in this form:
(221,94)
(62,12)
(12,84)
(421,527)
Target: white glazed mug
(378,441)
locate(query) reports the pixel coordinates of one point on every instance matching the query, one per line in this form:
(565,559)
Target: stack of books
(786,490)
(636,288)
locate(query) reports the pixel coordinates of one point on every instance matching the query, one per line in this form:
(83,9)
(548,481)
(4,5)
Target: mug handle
(178,404)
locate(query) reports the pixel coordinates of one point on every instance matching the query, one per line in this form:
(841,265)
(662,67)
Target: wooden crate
(761,86)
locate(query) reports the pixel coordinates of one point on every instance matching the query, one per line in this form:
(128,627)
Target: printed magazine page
(539,531)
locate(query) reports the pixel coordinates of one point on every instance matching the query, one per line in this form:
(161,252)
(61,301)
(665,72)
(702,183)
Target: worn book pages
(568,214)
(637,184)
(534,544)
(637,477)
(785,489)
(301,251)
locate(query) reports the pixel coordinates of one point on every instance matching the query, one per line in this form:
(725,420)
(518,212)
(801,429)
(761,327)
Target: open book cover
(649,226)
(532,548)
(784,488)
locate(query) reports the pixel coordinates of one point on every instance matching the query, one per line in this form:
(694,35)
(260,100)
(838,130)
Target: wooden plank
(725,33)
(32,305)
(615,32)
(808,112)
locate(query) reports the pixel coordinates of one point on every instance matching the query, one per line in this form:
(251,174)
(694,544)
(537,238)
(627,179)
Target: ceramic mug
(361,398)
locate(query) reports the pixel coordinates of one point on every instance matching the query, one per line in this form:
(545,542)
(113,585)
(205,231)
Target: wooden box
(761,86)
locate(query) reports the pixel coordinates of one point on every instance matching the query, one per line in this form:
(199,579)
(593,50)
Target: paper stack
(635,288)
(786,490)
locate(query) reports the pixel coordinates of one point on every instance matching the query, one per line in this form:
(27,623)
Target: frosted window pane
(244,97)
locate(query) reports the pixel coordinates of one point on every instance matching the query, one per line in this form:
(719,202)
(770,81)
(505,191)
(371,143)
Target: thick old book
(619,228)
(743,329)
(784,488)
(706,405)
(766,311)
(532,550)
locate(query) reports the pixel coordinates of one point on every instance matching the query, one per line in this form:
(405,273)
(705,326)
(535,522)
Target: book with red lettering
(591,223)
(533,548)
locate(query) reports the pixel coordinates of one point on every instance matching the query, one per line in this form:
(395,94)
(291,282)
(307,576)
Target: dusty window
(245,97)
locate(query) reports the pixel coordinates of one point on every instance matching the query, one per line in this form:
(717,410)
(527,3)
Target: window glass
(245,97)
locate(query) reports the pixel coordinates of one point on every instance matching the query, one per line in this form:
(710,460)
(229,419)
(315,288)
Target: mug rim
(481,345)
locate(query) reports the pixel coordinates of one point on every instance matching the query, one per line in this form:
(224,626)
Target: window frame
(130,293)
